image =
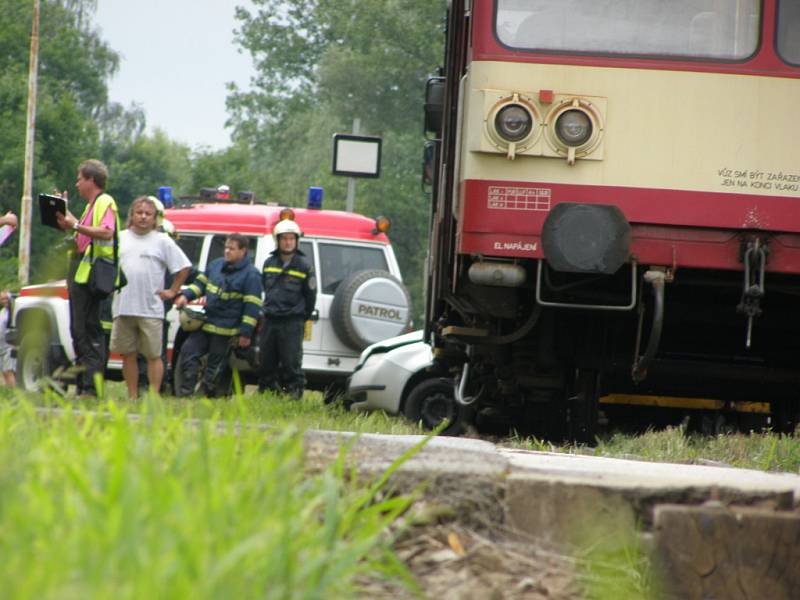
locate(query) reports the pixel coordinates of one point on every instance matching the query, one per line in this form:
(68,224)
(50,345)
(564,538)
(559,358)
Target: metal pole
(25,207)
(351,181)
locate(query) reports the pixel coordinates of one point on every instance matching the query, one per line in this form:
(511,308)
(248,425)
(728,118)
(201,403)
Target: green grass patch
(763,451)
(101,507)
(279,411)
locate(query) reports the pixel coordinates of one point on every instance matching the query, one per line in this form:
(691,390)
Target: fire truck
(361,298)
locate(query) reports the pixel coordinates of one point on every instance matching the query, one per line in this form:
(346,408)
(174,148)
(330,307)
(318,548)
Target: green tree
(322,63)
(140,163)
(74,65)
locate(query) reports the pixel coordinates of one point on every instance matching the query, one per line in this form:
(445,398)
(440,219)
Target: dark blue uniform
(233,298)
(290,292)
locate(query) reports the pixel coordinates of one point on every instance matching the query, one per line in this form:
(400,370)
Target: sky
(176,57)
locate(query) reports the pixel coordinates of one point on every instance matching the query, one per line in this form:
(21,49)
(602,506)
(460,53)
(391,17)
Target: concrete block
(714,552)
(569,513)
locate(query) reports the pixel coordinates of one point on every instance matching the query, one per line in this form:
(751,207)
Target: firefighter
(290,292)
(232,289)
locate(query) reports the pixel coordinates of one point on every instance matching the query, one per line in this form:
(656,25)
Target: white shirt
(146,259)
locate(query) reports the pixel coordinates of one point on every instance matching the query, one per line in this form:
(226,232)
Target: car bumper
(378,385)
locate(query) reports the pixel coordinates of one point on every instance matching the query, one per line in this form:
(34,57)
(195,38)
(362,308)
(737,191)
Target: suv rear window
(337,261)
(191,245)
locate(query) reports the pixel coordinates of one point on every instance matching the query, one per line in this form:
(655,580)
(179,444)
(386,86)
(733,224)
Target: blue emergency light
(165,195)
(315,197)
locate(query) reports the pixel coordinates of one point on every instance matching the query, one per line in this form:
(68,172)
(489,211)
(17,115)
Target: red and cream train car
(616,209)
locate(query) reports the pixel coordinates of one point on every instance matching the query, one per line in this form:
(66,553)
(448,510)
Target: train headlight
(574,127)
(513,122)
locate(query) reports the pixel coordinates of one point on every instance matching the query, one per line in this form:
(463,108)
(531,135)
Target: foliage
(74,64)
(322,64)
(755,450)
(74,121)
(93,508)
(142,164)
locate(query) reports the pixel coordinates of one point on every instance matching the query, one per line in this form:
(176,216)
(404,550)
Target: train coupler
(755,262)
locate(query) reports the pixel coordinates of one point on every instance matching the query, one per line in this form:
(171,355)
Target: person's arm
(196,290)
(175,288)
(310,292)
(251,305)
(69,222)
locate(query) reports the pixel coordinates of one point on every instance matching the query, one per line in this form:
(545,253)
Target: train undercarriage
(545,349)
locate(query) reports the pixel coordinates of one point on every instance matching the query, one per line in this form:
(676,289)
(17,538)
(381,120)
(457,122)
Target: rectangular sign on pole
(356,155)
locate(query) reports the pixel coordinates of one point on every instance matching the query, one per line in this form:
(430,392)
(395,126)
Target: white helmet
(159,210)
(286,226)
(191,319)
(168,227)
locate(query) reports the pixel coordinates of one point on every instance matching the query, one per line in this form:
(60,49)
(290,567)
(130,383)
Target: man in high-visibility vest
(94,238)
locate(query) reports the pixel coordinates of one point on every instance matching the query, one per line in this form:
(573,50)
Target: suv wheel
(33,360)
(370,306)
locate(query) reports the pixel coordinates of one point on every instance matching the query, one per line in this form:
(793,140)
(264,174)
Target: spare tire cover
(370,306)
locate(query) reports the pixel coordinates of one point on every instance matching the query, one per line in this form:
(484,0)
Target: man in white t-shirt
(146,255)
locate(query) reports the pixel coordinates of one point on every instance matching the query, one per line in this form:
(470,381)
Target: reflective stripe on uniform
(292,272)
(209,328)
(249,320)
(213,289)
(254,299)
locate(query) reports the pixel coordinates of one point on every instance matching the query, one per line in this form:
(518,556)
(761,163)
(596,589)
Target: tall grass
(755,450)
(105,507)
(271,409)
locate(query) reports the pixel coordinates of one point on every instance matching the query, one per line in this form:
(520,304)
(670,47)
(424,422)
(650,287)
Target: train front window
(789,31)
(679,28)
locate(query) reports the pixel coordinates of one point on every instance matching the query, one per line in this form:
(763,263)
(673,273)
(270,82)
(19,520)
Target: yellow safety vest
(102,248)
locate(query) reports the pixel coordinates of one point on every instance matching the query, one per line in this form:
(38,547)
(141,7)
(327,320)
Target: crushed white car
(398,375)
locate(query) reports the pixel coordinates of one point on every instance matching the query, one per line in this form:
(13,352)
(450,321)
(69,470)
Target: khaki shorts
(137,334)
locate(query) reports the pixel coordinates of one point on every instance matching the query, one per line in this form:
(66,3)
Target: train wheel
(785,415)
(582,407)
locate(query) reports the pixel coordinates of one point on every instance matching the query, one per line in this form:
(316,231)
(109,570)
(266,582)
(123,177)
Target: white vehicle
(398,375)
(361,298)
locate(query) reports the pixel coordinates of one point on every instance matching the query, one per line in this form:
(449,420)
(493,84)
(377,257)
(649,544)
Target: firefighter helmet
(191,318)
(159,210)
(286,226)
(168,227)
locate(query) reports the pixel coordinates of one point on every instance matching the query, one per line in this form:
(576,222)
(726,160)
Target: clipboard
(49,206)
(5,233)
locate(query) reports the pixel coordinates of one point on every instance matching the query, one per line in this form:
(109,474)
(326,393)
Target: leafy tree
(322,63)
(74,120)
(74,65)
